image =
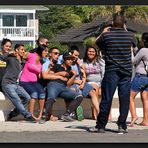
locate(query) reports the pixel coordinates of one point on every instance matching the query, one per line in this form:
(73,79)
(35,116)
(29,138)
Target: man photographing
(116,46)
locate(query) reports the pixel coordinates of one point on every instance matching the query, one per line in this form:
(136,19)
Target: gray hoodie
(137,61)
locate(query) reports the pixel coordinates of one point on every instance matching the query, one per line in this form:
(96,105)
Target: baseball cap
(67,55)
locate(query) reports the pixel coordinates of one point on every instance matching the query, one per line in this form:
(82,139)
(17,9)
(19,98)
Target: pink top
(31,69)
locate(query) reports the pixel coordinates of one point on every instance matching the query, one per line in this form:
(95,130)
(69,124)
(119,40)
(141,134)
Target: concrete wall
(59,107)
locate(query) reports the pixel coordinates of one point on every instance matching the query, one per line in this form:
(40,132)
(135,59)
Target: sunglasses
(69,59)
(56,53)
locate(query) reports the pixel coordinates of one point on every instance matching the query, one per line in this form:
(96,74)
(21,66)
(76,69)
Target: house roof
(78,34)
(23,7)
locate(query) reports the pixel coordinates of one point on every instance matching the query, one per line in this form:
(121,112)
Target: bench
(59,107)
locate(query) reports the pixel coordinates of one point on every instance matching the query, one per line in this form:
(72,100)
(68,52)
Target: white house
(19,23)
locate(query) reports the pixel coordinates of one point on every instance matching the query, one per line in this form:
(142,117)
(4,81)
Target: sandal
(79,113)
(53,118)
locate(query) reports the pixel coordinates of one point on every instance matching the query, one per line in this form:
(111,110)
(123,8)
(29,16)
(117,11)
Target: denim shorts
(87,88)
(139,83)
(34,89)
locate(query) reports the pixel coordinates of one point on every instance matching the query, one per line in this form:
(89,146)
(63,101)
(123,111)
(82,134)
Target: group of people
(43,75)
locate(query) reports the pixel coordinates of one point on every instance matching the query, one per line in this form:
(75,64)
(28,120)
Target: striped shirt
(116,48)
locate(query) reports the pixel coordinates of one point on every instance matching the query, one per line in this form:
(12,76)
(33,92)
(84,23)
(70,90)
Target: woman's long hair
(40,49)
(96,58)
(145,39)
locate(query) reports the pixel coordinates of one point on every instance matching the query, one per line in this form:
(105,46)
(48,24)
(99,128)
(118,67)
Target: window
(15,20)
(21,20)
(8,20)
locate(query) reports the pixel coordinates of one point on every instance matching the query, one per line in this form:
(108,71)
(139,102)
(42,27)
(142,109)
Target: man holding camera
(116,45)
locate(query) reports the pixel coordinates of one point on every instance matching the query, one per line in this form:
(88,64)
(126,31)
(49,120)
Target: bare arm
(72,79)
(83,79)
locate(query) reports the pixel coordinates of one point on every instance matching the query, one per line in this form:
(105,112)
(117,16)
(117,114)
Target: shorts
(139,83)
(87,88)
(34,89)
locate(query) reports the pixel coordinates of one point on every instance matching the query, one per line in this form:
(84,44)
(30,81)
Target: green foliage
(59,18)
(89,41)
(138,38)
(28,47)
(61,47)
(136,12)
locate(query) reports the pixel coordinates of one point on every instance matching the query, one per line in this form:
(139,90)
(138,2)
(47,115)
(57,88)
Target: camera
(102,26)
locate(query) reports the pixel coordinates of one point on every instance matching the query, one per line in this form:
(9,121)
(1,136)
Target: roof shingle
(78,34)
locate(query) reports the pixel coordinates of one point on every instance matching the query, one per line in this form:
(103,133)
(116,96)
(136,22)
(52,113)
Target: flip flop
(79,113)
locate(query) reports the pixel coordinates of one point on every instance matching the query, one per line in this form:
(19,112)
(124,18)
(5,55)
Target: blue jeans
(55,89)
(19,97)
(110,82)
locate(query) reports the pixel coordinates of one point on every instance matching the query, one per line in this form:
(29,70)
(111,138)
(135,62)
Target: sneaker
(67,118)
(12,114)
(30,119)
(122,130)
(96,130)
(79,113)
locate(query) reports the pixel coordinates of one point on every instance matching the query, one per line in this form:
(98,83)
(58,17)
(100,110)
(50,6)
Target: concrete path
(20,126)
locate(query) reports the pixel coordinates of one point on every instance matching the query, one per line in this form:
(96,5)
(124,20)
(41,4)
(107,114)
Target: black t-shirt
(60,68)
(3,64)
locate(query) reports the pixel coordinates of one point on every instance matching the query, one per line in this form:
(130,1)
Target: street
(133,136)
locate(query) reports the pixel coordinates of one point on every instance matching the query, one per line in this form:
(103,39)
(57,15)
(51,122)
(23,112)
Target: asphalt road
(133,136)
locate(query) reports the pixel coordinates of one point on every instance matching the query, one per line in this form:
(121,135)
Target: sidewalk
(20,126)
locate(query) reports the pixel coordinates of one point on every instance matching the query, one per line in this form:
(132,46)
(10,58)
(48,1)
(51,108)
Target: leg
(108,87)
(31,107)
(53,90)
(75,100)
(95,103)
(145,108)
(48,107)
(10,91)
(124,99)
(74,104)
(41,108)
(95,108)
(72,107)
(25,97)
(40,94)
(110,115)
(132,107)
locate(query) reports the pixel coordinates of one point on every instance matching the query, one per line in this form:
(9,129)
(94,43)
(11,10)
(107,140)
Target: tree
(59,18)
